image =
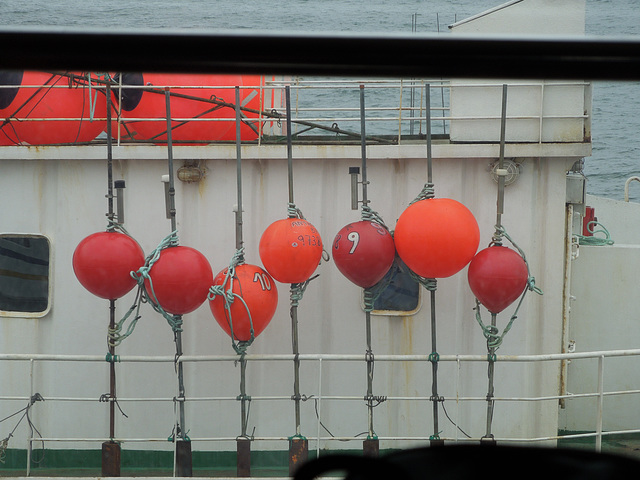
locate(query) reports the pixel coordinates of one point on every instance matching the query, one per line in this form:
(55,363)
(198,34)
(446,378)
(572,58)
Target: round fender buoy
(103,263)
(198,120)
(290,250)
(259,292)
(497,276)
(436,237)
(181,279)
(40,95)
(364,252)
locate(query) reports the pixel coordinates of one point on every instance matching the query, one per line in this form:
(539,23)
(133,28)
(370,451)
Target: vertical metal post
(239,239)
(600,403)
(433,357)
(428,127)
(111,449)
(29,436)
(298,445)
(491,351)
(363,148)
(501,176)
(435,398)
(243,443)
(287,91)
(183,465)
(371,444)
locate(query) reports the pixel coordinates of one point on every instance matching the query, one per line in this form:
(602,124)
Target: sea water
(616,105)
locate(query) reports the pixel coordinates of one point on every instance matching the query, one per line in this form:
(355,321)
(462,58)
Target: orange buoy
(103,263)
(497,276)
(290,250)
(198,120)
(45,96)
(181,279)
(364,252)
(436,237)
(259,292)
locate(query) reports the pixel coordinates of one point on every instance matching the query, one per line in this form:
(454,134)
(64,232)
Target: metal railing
(320,359)
(396,109)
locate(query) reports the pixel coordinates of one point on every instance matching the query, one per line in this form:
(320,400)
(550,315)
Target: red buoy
(436,237)
(181,279)
(290,250)
(40,95)
(103,263)
(194,124)
(364,252)
(259,292)
(497,276)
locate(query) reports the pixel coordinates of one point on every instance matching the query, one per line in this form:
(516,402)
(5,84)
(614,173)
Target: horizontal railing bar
(324,357)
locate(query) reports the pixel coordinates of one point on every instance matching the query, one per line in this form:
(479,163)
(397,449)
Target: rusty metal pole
(298,444)
(183,462)
(110,449)
(243,442)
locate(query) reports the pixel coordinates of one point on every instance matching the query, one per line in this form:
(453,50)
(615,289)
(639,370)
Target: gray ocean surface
(616,105)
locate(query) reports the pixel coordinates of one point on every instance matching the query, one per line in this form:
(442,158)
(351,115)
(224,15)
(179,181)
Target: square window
(24,275)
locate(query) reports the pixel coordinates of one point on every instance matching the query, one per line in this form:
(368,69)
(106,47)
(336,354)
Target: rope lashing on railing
(225,290)
(115,335)
(4,443)
(490,332)
(106,397)
(593,240)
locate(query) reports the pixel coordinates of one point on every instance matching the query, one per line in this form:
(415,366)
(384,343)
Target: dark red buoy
(40,95)
(181,279)
(259,292)
(436,237)
(364,252)
(193,125)
(290,250)
(497,277)
(103,263)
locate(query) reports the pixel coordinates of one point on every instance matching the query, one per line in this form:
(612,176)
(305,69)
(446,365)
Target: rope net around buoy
(491,332)
(225,291)
(122,330)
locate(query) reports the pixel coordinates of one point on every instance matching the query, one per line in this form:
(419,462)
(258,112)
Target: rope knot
(426,193)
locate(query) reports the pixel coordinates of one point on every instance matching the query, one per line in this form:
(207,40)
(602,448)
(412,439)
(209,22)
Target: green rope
(297,291)
(115,335)
(293,211)
(370,215)
(593,240)
(112,226)
(426,193)
(490,332)
(430,284)
(229,297)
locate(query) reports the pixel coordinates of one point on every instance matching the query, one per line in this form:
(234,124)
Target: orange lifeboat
(204,113)
(48,108)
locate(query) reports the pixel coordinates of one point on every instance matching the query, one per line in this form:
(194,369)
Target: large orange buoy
(497,276)
(181,279)
(259,292)
(40,95)
(364,252)
(436,237)
(194,124)
(290,250)
(103,263)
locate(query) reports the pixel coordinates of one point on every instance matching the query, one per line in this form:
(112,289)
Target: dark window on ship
(401,296)
(24,274)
